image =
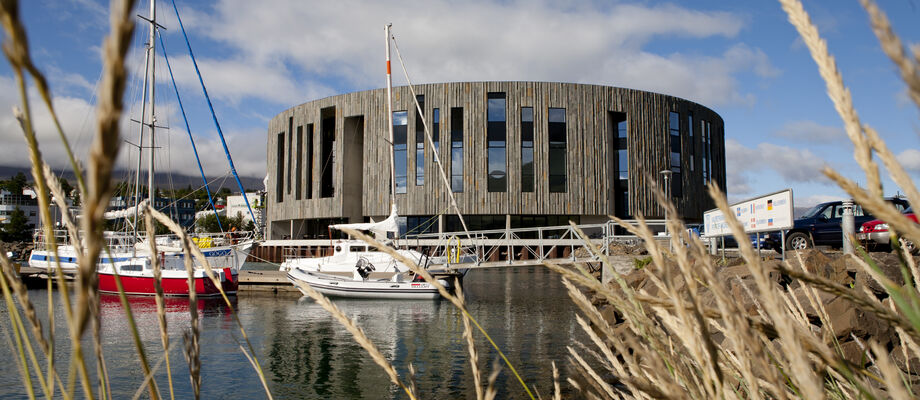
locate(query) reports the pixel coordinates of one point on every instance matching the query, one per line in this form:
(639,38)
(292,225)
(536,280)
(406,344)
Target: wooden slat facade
(589,172)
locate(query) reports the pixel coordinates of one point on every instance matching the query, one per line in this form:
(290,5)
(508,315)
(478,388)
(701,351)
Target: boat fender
(228,275)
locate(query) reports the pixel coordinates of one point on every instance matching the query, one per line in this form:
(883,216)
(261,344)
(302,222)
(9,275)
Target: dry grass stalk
(194,251)
(595,380)
(891,374)
(360,337)
(21,342)
(470,345)
(491,392)
(557,392)
(892,46)
(158,288)
(800,369)
(836,90)
(192,336)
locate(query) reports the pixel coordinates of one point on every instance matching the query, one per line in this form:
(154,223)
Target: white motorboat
(365,285)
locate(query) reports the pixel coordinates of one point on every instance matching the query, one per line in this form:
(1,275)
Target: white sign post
(772,212)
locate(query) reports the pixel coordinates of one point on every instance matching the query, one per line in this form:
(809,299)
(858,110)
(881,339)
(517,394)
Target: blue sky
(742,59)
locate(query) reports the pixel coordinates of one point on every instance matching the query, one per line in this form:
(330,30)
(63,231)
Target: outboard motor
(364,267)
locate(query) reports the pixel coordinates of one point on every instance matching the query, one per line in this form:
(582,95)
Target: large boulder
(890,266)
(846,319)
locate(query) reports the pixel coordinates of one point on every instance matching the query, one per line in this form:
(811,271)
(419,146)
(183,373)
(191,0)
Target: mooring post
(848,226)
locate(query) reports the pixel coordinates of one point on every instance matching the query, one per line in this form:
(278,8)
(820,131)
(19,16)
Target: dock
(265,281)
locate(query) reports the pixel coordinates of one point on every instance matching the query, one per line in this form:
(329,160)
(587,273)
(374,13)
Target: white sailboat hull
(336,286)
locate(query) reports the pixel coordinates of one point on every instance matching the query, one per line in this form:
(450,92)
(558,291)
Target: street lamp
(666,173)
(667,191)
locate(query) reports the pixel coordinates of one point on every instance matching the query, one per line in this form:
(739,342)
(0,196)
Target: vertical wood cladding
(590,173)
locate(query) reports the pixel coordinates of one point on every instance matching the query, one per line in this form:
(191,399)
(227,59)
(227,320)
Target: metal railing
(537,243)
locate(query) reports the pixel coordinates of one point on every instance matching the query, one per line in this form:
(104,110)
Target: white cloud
(78,119)
(813,132)
(910,160)
(791,164)
(328,41)
(235,80)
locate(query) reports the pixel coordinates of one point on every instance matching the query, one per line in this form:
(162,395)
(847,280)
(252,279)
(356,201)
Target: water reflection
(306,354)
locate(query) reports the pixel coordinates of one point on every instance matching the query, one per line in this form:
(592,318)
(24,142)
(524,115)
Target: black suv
(820,226)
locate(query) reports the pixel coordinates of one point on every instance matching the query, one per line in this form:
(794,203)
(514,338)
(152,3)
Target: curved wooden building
(516,154)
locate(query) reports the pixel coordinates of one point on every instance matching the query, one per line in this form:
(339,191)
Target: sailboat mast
(151,92)
(148,80)
(390,122)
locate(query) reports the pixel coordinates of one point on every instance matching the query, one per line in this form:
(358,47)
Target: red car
(876,231)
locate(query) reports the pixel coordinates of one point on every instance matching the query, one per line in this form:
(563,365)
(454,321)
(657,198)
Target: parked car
(876,232)
(820,226)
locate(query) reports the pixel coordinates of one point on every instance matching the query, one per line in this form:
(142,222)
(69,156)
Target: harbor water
(306,354)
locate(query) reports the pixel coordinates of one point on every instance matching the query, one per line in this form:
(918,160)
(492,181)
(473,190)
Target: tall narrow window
(527,173)
(621,149)
(705,163)
(456,149)
(436,129)
(309,174)
(420,142)
(298,167)
(674,129)
(495,135)
(327,152)
(400,160)
(690,129)
(705,152)
(279,175)
(290,148)
(557,150)
(708,150)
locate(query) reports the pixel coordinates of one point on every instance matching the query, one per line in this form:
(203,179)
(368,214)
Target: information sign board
(767,213)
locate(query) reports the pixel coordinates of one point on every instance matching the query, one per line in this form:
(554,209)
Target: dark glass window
(420,142)
(690,129)
(456,149)
(706,129)
(527,171)
(309,177)
(400,160)
(279,175)
(298,168)
(327,156)
(674,129)
(557,150)
(436,129)
(709,150)
(495,135)
(621,148)
(290,148)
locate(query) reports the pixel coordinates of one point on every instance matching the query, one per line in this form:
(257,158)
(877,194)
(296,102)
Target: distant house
(237,206)
(27,201)
(182,210)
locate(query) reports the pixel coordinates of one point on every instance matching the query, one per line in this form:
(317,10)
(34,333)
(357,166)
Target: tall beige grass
(95,190)
(665,348)
(694,339)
